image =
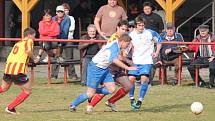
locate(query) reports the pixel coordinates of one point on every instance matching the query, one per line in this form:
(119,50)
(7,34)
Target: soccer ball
(196,107)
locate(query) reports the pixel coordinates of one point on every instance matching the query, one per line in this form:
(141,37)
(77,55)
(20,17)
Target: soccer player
(118,73)
(143,54)
(16,69)
(98,70)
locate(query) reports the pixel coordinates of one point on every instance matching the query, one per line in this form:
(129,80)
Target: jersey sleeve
(114,52)
(29,45)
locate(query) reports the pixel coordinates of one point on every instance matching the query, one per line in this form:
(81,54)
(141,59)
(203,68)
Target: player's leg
(145,72)
(82,97)
(26,86)
(6,83)
(126,86)
(131,92)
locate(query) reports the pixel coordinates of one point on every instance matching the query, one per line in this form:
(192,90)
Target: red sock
(97,98)
(118,95)
(19,99)
(1,90)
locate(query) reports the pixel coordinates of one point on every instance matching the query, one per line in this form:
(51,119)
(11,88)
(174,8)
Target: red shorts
(19,79)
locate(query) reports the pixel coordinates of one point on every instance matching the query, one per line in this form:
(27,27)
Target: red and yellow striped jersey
(17,61)
(113,37)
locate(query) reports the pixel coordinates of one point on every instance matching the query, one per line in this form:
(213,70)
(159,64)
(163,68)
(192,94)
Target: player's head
(124,41)
(66,8)
(29,32)
(122,27)
(139,23)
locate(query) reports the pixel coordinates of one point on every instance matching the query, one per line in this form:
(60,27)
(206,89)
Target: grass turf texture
(162,103)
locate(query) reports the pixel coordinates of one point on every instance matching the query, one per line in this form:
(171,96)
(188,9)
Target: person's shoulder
(103,7)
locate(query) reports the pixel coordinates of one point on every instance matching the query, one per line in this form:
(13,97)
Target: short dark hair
(139,19)
(29,31)
(122,22)
(147,4)
(47,11)
(125,37)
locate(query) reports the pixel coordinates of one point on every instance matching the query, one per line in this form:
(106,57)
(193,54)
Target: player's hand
(210,59)
(132,68)
(167,51)
(154,55)
(159,62)
(36,60)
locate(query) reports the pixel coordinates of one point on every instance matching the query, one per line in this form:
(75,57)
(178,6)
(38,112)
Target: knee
(111,90)
(28,91)
(90,94)
(128,87)
(5,88)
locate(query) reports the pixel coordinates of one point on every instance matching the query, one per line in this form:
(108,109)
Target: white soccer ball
(196,107)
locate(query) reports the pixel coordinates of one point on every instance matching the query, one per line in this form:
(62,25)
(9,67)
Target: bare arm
(122,65)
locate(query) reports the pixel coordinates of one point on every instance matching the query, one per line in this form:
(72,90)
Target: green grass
(162,103)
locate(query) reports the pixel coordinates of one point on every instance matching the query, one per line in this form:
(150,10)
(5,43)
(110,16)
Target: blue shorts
(96,76)
(141,70)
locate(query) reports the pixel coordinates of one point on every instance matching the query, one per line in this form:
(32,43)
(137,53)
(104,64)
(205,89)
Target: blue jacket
(64,27)
(171,56)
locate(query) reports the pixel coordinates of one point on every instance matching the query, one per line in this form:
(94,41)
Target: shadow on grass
(48,110)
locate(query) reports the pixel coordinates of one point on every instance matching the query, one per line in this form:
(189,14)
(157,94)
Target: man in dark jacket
(153,20)
(167,54)
(205,54)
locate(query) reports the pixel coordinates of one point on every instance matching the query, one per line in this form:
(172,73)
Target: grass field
(162,103)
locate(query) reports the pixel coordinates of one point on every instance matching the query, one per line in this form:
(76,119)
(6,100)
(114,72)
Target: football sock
(118,95)
(1,90)
(102,90)
(143,90)
(83,97)
(131,93)
(19,99)
(96,99)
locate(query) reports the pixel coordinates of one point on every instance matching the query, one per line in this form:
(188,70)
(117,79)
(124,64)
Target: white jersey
(143,44)
(106,55)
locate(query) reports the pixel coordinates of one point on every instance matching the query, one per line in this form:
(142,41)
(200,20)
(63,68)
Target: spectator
(88,50)
(133,12)
(204,54)
(64,23)
(48,29)
(69,51)
(167,54)
(153,20)
(107,18)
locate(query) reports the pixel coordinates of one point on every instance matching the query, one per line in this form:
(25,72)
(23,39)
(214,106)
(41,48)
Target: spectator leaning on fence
(107,18)
(64,23)
(204,54)
(88,49)
(167,55)
(48,29)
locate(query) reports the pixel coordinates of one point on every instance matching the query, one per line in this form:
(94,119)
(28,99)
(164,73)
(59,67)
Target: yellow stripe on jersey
(17,60)
(113,37)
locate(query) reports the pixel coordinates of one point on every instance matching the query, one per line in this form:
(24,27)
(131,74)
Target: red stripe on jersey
(26,45)
(8,68)
(13,69)
(20,68)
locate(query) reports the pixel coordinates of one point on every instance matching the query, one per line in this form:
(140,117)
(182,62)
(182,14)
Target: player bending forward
(98,71)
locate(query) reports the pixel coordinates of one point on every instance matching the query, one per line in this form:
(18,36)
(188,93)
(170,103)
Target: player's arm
(122,65)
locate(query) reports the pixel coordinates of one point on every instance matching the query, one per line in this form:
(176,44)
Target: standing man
(153,20)
(69,51)
(167,54)
(64,22)
(143,54)
(107,18)
(16,69)
(205,54)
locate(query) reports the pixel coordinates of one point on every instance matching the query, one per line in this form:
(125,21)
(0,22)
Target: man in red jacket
(205,54)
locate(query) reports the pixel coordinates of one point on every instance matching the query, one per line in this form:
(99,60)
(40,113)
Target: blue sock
(102,90)
(143,90)
(83,97)
(131,92)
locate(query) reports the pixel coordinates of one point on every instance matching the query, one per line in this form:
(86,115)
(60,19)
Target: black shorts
(116,71)
(19,79)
